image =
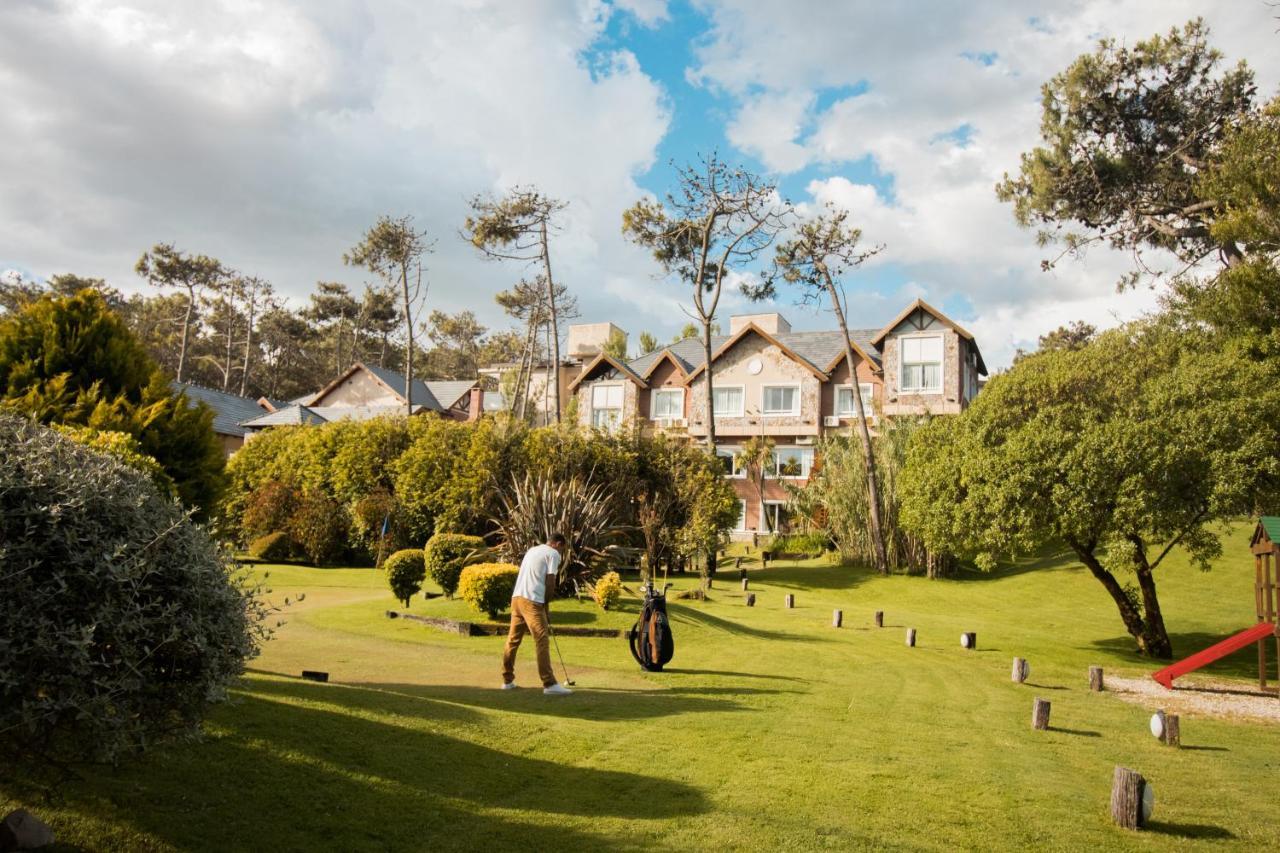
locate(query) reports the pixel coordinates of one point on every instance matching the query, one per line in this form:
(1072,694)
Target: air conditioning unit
(679,422)
(831,420)
(662,423)
(805,439)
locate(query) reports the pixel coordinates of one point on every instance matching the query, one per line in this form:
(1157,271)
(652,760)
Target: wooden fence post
(1095,679)
(911,637)
(837,617)
(1040,714)
(1131,799)
(790,601)
(1020,670)
(751,599)
(969,640)
(879,618)
(744,584)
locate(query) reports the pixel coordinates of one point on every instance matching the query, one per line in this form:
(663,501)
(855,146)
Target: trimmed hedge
(488,586)
(271,548)
(607,591)
(444,555)
(405,570)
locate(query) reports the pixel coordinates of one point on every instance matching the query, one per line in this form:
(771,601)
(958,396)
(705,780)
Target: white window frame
(622,402)
(942,363)
(734,453)
(806,463)
(787,414)
(742,397)
(653,399)
(742,517)
(868,401)
(764,509)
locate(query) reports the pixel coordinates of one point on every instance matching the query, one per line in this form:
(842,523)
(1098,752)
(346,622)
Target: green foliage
(607,590)
(121,620)
(800,543)
(269,509)
(122,446)
(405,571)
(318,527)
(1127,133)
(648,343)
(488,587)
(70,360)
(445,555)
(616,346)
(271,547)
(1119,449)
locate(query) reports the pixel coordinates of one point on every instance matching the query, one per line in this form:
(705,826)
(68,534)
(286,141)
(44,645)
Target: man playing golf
(529,613)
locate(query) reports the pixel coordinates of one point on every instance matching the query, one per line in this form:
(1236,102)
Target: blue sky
(272,134)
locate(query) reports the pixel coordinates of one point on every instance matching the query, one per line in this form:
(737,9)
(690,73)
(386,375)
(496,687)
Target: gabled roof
(291,415)
(664,354)
(1270,525)
(920,305)
(752,328)
(434,395)
(604,358)
(447,392)
(228,409)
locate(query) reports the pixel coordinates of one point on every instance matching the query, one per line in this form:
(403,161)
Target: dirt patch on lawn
(1208,697)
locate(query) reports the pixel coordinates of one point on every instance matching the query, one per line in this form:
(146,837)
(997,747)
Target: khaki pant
(531,617)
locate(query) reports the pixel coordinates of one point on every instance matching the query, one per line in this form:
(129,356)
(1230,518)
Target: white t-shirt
(539,561)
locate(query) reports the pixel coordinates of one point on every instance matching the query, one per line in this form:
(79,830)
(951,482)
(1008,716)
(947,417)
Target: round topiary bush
(607,590)
(271,548)
(405,571)
(121,621)
(488,586)
(445,553)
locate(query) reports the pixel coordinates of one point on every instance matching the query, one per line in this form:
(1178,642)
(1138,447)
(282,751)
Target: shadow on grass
(1061,560)
(831,577)
(1076,732)
(729,674)
(1190,830)
(680,613)
(1241,664)
(1046,686)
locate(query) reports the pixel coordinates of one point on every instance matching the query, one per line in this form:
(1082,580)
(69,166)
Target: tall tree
(333,307)
(379,317)
(1127,133)
(165,266)
(616,346)
(518,226)
(648,343)
(257,295)
(822,250)
(718,219)
(457,339)
(393,250)
(225,321)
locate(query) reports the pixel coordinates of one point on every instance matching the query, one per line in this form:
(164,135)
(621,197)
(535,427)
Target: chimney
(587,340)
(476,406)
(773,323)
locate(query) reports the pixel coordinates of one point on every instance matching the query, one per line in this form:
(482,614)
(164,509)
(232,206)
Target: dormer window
(921,364)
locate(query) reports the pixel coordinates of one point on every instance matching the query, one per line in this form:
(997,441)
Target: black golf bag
(650,638)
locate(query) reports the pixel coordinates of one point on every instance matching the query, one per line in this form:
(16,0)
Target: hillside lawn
(771,730)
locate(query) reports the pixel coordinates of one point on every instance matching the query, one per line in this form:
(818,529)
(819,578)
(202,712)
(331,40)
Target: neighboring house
(793,387)
(365,391)
(229,411)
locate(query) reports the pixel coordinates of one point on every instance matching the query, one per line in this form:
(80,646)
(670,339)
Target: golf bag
(650,638)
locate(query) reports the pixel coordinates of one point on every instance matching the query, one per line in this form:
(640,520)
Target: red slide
(1218,650)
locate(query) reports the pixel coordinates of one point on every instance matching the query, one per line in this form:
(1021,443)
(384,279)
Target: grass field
(771,729)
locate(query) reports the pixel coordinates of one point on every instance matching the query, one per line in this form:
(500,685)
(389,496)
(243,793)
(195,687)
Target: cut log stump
(1021,669)
(837,618)
(911,637)
(751,599)
(1095,679)
(1132,799)
(315,675)
(879,618)
(1172,731)
(745,581)
(969,640)
(1040,714)
(790,601)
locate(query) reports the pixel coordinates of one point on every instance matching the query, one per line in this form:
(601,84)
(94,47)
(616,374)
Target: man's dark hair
(556,539)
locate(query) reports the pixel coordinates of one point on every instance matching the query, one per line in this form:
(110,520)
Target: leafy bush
(121,621)
(271,548)
(269,509)
(607,591)
(319,527)
(800,543)
(445,554)
(405,571)
(122,446)
(488,586)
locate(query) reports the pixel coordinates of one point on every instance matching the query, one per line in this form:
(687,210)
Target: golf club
(567,680)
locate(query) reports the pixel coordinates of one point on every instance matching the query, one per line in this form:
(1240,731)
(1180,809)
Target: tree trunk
(408,349)
(711,405)
(1156,636)
(1127,789)
(248,344)
(186,331)
(1148,643)
(1040,714)
(864,435)
(555,318)
(231,330)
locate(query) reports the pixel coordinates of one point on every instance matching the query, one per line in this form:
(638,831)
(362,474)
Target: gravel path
(1233,700)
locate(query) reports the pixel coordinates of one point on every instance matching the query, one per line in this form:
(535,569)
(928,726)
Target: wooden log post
(1020,670)
(315,675)
(790,601)
(911,637)
(764,559)
(737,563)
(1040,714)
(837,617)
(751,599)
(969,640)
(1095,679)
(879,618)
(1172,731)
(744,584)
(1131,799)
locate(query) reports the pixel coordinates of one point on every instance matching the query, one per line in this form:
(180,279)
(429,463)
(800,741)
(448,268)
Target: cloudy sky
(271,134)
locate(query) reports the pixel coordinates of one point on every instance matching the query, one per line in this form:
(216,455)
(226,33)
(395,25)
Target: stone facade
(733,368)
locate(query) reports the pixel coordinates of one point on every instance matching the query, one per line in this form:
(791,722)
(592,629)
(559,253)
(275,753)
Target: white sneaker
(557,690)
(510,685)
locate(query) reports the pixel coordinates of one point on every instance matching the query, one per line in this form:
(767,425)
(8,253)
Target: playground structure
(1265,546)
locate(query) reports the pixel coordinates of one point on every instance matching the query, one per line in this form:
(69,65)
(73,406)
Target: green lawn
(770,731)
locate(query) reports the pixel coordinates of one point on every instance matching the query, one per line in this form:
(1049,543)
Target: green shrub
(269,509)
(445,553)
(125,448)
(319,527)
(800,543)
(405,572)
(121,620)
(607,591)
(488,586)
(271,548)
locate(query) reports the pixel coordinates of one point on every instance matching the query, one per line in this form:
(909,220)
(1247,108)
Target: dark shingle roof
(288,416)
(819,349)
(229,410)
(421,395)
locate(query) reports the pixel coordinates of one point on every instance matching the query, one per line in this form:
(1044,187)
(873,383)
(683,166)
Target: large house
(790,386)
